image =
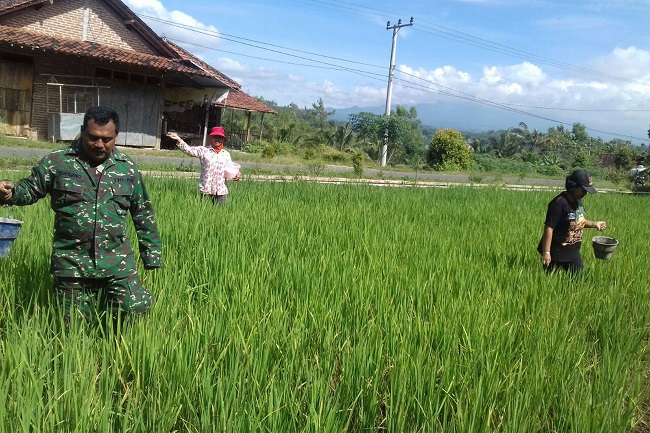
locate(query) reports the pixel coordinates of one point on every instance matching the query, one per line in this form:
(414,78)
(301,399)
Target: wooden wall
(15,98)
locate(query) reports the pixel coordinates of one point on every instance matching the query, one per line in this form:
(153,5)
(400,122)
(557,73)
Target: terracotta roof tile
(12,36)
(5,5)
(185,63)
(189,57)
(242,101)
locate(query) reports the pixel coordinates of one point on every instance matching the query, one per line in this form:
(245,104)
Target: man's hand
(174,136)
(600,225)
(238,176)
(6,191)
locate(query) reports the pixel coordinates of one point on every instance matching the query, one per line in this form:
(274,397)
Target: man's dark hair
(101,116)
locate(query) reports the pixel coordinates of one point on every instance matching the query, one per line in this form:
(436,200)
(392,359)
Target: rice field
(339,308)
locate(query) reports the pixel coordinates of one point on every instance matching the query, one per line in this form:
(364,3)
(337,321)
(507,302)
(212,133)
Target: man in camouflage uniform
(92,187)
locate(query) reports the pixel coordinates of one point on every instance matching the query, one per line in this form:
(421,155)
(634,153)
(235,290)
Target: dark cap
(582,178)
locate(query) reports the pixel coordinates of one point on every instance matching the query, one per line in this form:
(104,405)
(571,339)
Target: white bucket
(230,170)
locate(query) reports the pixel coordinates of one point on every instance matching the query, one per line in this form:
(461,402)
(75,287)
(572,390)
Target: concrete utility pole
(389,90)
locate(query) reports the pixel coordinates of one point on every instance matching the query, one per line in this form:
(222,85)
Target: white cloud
(230,66)
(184,29)
(524,74)
(631,62)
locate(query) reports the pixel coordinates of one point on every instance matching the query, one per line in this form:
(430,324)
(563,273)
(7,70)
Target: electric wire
(331,66)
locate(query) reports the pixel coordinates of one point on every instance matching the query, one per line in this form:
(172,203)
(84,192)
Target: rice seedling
(323,308)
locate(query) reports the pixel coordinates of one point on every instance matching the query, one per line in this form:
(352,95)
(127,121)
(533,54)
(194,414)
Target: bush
(476,177)
(492,164)
(309,154)
(449,151)
(316,168)
(617,176)
(269,151)
(333,155)
(550,170)
(255,146)
(357,162)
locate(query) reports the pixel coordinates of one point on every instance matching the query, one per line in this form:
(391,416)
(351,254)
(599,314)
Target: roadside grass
(296,165)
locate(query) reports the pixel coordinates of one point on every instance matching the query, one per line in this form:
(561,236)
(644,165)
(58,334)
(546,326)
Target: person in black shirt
(565,220)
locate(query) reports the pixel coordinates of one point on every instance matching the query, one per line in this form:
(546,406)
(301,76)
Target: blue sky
(552,61)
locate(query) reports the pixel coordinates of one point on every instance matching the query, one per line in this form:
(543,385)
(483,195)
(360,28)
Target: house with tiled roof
(59,57)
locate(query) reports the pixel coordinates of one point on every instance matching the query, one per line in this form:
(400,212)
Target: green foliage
(505,144)
(625,156)
(309,154)
(315,167)
(357,162)
(449,151)
(582,159)
(476,177)
(550,165)
(318,115)
(269,151)
(405,139)
(341,138)
(333,155)
(13,163)
(550,170)
(255,146)
(617,176)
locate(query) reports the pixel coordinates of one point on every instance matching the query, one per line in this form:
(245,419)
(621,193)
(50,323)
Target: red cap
(218,131)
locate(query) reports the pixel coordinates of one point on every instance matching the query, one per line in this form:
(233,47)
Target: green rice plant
(327,308)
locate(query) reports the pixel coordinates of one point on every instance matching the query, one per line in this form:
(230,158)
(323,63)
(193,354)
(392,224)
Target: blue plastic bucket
(9,229)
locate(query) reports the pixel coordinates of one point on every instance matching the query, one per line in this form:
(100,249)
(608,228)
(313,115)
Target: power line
(371,75)
(422,87)
(466,38)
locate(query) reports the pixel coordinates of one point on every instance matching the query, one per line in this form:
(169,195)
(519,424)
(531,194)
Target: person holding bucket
(216,165)
(92,187)
(565,221)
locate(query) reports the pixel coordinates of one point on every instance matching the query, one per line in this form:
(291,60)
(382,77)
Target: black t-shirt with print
(567,224)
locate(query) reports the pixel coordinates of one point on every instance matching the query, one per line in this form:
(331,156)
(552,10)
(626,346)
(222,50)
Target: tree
(365,125)
(449,151)
(318,115)
(625,156)
(579,133)
(505,144)
(531,139)
(341,138)
(405,139)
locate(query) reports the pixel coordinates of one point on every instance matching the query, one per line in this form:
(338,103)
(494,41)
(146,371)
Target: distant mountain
(456,115)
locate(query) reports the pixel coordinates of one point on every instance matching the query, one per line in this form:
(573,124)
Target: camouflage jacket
(90,225)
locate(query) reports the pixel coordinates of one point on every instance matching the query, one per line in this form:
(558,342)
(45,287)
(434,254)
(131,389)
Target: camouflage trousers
(90,297)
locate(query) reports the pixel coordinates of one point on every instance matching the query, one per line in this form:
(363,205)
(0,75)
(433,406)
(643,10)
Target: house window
(78,102)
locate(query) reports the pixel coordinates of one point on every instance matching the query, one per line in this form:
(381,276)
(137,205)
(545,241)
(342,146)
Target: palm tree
(532,139)
(505,144)
(341,138)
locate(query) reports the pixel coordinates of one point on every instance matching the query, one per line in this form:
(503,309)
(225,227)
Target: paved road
(177,159)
